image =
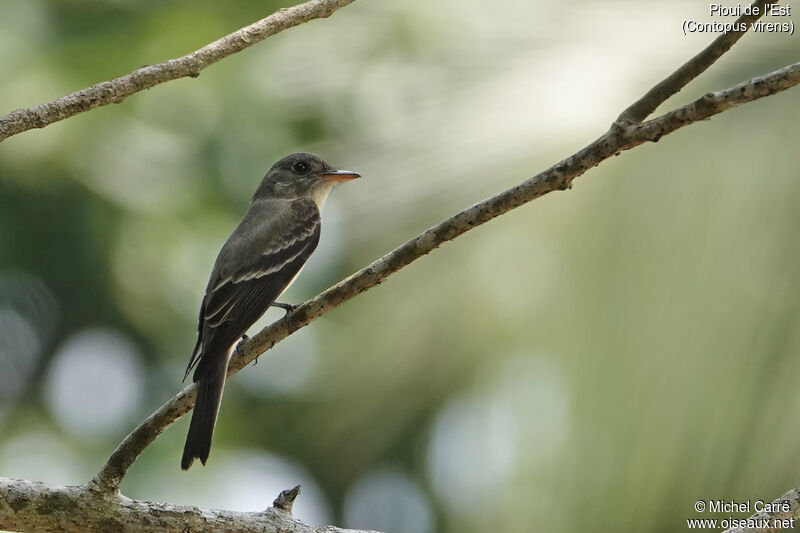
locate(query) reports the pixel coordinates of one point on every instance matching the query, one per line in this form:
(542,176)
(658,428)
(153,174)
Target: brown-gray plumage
(258,262)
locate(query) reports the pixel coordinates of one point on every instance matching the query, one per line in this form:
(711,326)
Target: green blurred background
(597,360)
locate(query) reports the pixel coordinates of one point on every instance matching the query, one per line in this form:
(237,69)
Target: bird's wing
(252,272)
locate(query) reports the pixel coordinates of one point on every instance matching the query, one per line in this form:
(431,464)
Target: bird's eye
(300,166)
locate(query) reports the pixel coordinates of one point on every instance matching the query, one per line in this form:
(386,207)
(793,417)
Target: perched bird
(260,259)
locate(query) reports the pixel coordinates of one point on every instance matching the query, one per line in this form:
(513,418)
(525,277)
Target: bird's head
(301,175)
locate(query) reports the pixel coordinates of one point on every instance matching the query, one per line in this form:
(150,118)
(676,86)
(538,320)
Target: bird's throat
(320,192)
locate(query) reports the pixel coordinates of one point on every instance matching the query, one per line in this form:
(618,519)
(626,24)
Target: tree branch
(672,84)
(34,506)
(714,103)
(557,177)
(190,65)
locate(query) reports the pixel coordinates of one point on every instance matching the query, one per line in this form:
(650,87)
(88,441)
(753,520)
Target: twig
(672,84)
(714,103)
(286,498)
(557,177)
(190,65)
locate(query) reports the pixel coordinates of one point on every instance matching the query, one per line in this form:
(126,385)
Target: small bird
(259,261)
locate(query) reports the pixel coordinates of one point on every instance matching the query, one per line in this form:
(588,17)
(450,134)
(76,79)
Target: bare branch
(190,65)
(557,177)
(110,475)
(672,84)
(33,506)
(714,103)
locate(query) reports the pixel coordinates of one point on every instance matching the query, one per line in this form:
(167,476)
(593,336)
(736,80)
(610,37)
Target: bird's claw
(240,344)
(286,307)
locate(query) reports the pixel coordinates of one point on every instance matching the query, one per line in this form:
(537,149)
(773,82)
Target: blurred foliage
(598,360)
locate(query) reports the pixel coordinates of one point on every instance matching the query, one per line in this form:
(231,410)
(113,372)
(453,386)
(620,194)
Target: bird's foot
(286,307)
(240,344)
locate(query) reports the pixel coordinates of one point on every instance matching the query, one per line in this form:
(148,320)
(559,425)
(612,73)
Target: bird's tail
(210,383)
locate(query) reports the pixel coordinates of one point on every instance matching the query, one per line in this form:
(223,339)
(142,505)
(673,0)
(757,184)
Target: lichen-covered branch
(557,177)
(116,90)
(33,506)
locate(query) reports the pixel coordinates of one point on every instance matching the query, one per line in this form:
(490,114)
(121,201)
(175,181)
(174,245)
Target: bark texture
(34,506)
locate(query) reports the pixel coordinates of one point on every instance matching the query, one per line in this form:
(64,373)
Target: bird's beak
(340,175)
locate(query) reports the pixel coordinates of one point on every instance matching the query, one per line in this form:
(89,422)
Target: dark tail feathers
(210,382)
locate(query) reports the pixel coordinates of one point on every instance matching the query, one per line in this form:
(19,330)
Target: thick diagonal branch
(116,90)
(557,177)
